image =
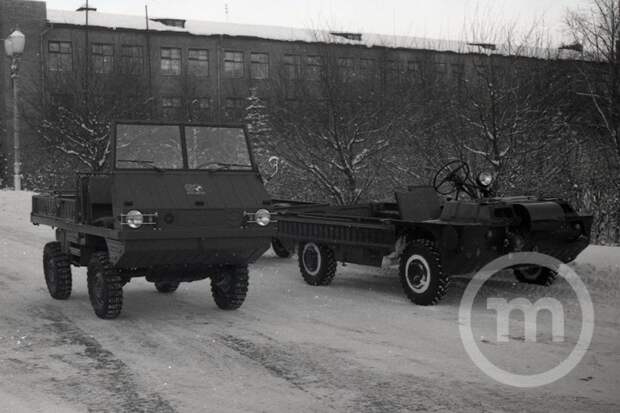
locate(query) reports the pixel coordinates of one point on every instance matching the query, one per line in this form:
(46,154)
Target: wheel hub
(311,258)
(417,274)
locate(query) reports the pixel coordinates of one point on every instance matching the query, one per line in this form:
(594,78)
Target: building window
(170,61)
(198,62)
(292,66)
(233,64)
(345,67)
(235,108)
(393,70)
(171,107)
(314,67)
(259,68)
(60,56)
(102,58)
(368,68)
(132,59)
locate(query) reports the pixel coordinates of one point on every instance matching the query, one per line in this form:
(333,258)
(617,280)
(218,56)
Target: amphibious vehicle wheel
(316,263)
(535,275)
(230,287)
(57,270)
(421,274)
(279,248)
(530,274)
(105,287)
(167,286)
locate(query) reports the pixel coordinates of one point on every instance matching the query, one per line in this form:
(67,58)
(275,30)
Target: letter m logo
(530,314)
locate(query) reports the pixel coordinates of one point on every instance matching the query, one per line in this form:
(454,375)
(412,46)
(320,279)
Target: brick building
(201,70)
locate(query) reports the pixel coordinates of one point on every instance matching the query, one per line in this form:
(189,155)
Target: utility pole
(86,8)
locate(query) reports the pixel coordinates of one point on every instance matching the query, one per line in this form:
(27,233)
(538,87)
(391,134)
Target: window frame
(102,63)
(257,66)
(238,71)
(129,62)
(170,59)
(196,65)
(59,57)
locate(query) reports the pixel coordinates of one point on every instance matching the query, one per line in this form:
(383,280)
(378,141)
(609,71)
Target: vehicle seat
(418,204)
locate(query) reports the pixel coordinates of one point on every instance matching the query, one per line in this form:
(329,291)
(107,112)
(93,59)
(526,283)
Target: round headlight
(485,179)
(135,219)
(262,217)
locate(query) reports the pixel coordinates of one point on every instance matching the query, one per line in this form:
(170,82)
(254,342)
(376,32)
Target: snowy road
(357,345)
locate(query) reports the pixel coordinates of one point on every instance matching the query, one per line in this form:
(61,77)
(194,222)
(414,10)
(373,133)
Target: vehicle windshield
(160,147)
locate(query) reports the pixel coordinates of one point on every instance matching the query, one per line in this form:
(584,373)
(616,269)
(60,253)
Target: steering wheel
(455,172)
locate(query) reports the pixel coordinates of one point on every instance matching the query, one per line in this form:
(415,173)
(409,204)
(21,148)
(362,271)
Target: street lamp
(14,47)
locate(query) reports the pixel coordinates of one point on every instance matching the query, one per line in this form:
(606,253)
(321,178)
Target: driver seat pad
(420,203)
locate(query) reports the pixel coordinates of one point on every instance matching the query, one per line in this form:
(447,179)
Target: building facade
(177,69)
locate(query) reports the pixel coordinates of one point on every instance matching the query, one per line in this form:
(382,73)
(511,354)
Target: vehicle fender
(541,216)
(445,236)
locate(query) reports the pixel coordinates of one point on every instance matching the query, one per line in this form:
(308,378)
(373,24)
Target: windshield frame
(182,125)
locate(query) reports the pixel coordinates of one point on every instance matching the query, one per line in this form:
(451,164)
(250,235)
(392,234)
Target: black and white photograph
(309,206)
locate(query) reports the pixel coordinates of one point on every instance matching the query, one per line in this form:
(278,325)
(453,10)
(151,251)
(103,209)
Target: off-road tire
(324,270)
(166,287)
(57,270)
(230,287)
(105,287)
(433,285)
(535,275)
(279,248)
(529,274)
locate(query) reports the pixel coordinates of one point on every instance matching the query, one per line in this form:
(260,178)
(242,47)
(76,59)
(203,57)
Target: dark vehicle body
(451,237)
(196,221)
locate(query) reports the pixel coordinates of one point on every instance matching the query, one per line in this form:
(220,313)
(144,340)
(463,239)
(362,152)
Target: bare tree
(76,122)
(329,125)
(596,34)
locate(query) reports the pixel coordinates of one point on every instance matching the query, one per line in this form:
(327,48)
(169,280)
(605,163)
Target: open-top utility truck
(178,203)
(432,237)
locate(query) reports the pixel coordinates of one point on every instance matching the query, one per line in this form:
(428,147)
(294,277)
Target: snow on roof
(289,34)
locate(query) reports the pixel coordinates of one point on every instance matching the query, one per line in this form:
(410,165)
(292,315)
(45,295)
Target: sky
(439,19)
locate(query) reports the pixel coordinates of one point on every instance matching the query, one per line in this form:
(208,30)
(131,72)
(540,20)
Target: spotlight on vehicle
(134,219)
(485,179)
(262,217)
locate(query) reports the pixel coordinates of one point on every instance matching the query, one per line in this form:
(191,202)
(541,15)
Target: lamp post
(14,47)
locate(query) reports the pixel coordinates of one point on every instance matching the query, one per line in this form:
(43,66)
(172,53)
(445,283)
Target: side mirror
(274,163)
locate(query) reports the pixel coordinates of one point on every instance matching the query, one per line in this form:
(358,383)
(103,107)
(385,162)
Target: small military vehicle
(433,237)
(178,203)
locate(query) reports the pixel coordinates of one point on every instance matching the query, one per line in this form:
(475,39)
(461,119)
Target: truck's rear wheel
(279,248)
(535,274)
(317,263)
(421,273)
(105,287)
(230,287)
(166,287)
(57,270)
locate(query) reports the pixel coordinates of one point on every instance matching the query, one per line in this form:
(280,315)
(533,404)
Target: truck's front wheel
(57,270)
(105,286)
(421,273)
(230,287)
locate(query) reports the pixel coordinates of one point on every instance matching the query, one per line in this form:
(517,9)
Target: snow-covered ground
(357,345)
